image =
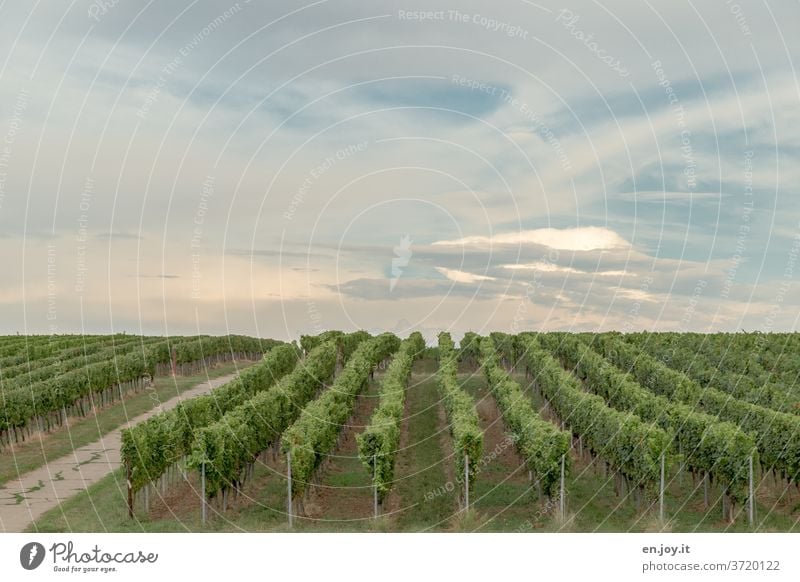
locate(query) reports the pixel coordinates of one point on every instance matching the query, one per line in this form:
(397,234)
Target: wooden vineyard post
(339,359)
(751,506)
(203,493)
(130,490)
(561,490)
(174,362)
(724,504)
(661,491)
(466,482)
(375,485)
(289,486)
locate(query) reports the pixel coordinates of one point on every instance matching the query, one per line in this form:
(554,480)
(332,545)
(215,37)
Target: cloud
(588,238)
(118,236)
(637,294)
(541,266)
(462,276)
(548,267)
(278,253)
(546,151)
(665,196)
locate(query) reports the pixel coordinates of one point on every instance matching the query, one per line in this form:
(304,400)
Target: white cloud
(636,295)
(546,267)
(542,266)
(462,276)
(587,238)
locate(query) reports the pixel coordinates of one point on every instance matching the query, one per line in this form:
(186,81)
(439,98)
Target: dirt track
(25,499)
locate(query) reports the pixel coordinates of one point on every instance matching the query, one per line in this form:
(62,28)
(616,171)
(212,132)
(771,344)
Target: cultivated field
(352,432)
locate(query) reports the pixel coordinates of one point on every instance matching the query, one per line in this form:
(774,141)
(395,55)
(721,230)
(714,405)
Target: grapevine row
(506,347)
(30,372)
(540,444)
(32,348)
(315,432)
(718,448)
(378,444)
(151,447)
(735,372)
(347,342)
(632,447)
(761,357)
(461,414)
(225,448)
(470,349)
(777,433)
(778,353)
(46,403)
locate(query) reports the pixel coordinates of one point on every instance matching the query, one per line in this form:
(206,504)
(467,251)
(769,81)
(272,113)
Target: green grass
(35,453)
(100,508)
(502,499)
(503,502)
(423,487)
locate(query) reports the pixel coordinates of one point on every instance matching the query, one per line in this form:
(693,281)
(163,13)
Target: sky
(282,168)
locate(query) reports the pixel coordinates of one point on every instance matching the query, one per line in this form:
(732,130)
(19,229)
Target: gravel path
(24,500)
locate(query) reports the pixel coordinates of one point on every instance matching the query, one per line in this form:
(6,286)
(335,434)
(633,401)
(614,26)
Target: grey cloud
(118,236)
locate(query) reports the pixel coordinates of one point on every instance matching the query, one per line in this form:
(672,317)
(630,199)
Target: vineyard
(45,381)
(355,432)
